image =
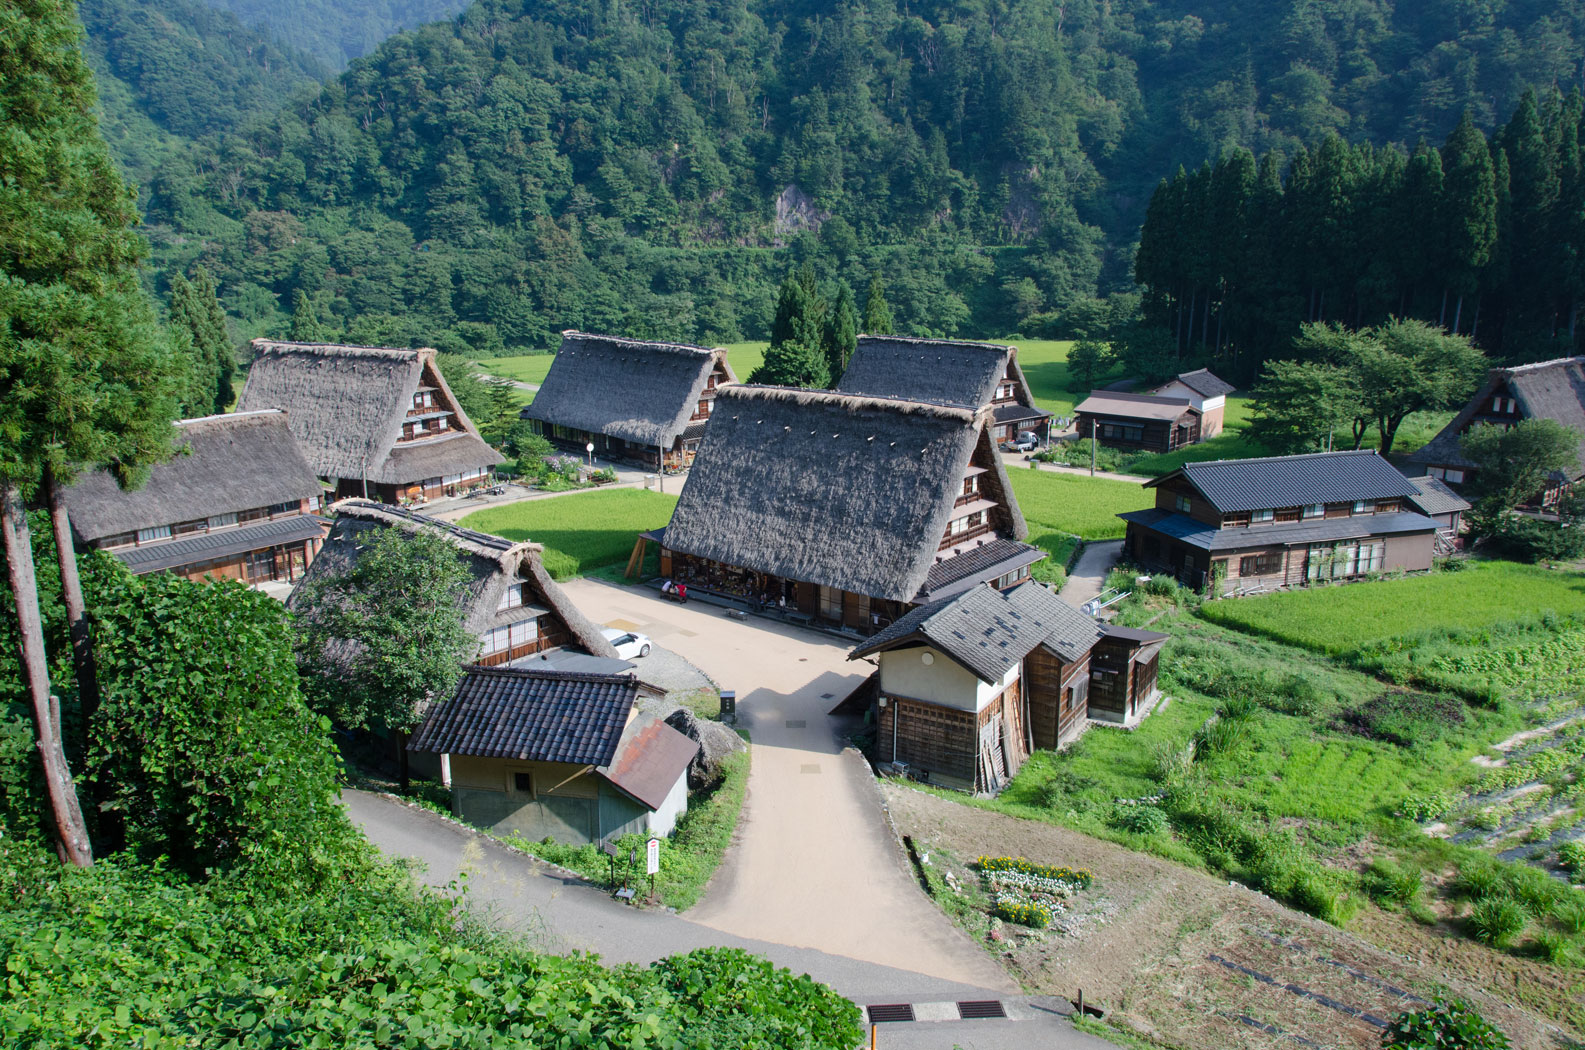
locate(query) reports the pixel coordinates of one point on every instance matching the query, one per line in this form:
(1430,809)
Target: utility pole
(660,472)
(1093,424)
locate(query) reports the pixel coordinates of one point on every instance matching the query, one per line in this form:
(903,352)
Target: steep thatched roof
(494,563)
(849,492)
(941,371)
(1552,390)
(223,464)
(638,391)
(346,405)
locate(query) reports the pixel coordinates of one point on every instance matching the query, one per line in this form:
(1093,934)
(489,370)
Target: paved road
(1016,461)
(558,913)
(815,864)
(1089,572)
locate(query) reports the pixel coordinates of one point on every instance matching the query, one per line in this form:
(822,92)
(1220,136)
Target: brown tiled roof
(650,760)
(533,716)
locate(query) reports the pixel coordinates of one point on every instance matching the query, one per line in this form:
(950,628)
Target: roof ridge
(343,349)
(226,417)
(369,510)
(926,341)
(1283,459)
(1125,395)
(651,344)
(596,677)
(807,396)
(1538,365)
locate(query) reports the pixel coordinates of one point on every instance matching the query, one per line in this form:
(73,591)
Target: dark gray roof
(1552,390)
(1202,382)
(989,632)
(346,406)
(956,573)
(538,716)
(1433,497)
(1133,406)
(844,491)
(1133,634)
(1014,412)
(939,371)
(223,464)
(222,543)
(1185,529)
(1293,481)
(641,392)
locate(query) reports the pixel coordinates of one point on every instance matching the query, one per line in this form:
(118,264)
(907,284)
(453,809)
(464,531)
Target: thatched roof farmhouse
(236,501)
(512,604)
(373,421)
(849,509)
(1552,390)
(630,398)
(948,372)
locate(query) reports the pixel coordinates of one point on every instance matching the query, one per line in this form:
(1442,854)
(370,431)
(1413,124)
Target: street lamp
(589,448)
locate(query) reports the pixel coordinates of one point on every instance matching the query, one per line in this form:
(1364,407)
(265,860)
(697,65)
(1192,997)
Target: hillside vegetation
(487,181)
(338,32)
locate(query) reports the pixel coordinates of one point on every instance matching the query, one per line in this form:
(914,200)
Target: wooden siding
(1157,435)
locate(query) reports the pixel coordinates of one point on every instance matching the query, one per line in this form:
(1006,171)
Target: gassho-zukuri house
(1282,521)
(635,400)
(374,422)
(948,372)
(238,501)
(511,603)
(557,754)
(965,688)
(845,510)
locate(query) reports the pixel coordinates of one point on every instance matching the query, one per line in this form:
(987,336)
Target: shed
(1206,393)
(1147,422)
(1433,498)
(1123,669)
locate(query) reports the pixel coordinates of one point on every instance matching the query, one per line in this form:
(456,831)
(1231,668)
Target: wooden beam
(635,561)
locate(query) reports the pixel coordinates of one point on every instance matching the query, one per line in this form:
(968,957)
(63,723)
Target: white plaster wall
(664,819)
(1177,389)
(944,681)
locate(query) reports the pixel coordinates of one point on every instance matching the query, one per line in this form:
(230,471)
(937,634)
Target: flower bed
(1078,878)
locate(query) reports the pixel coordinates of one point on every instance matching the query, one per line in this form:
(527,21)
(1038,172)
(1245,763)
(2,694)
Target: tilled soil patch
(1203,964)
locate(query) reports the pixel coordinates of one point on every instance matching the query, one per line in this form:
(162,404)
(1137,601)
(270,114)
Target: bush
(1555,948)
(1171,763)
(1140,820)
(1392,885)
(1571,916)
(1571,857)
(1497,920)
(1236,708)
(1220,737)
(728,998)
(1477,881)
(1445,1025)
(1421,808)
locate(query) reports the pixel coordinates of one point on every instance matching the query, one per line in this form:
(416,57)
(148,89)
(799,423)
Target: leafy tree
(379,638)
(1448,1024)
(85,377)
(195,312)
(841,332)
(1087,361)
(1411,366)
(877,312)
(1514,464)
(794,363)
(305,326)
(1306,406)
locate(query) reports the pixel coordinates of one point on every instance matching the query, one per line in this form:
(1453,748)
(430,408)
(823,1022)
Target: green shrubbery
(1445,1025)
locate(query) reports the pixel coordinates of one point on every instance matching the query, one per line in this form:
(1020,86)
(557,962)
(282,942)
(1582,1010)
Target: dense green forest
(658,168)
(338,32)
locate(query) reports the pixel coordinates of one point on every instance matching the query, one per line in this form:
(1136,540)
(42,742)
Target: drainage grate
(810,767)
(889,1012)
(828,696)
(797,723)
(978,1009)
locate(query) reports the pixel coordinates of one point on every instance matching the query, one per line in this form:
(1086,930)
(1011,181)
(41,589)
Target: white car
(628,644)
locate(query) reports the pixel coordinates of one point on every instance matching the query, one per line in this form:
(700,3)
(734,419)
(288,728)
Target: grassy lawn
(1072,503)
(1347,618)
(525,368)
(580,532)
(745,357)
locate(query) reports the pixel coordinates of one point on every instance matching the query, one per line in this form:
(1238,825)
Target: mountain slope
(338,31)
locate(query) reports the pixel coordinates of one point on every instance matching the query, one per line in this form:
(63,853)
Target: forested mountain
(656,168)
(338,31)
(178,68)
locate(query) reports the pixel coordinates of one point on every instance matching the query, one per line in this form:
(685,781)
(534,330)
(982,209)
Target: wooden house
(847,511)
(511,603)
(556,754)
(1281,521)
(1123,667)
(1552,390)
(1206,394)
(377,423)
(635,400)
(1435,500)
(948,372)
(237,501)
(1141,422)
(968,686)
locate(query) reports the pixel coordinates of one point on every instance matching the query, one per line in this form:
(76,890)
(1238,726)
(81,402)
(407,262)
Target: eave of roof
(1185,529)
(224,543)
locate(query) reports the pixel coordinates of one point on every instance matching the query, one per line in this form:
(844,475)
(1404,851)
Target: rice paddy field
(525,368)
(1075,503)
(581,532)
(1348,618)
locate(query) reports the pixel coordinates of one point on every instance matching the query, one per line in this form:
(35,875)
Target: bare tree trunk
(72,595)
(1441,318)
(1205,320)
(70,829)
(1474,324)
(1458,312)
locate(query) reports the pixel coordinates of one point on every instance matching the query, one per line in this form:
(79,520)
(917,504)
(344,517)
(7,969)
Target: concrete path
(558,913)
(815,863)
(1089,572)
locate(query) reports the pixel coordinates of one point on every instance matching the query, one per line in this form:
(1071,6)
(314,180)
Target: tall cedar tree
(379,638)
(85,375)
(877,311)
(305,326)
(797,354)
(842,331)
(196,312)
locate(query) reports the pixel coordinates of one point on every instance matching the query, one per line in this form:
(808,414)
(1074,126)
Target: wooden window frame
(1256,564)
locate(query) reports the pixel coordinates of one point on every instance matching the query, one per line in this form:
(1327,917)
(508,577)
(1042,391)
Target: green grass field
(580,532)
(525,368)
(1085,506)
(1344,619)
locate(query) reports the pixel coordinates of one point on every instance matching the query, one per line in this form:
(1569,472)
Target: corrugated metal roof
(1294,481)
(1434,497)
(537,716)
(650,760)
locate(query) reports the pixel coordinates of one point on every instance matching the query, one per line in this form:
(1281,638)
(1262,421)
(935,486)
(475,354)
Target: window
(313,502)
(158,532)
(289,507)
(496,641)
(512,597)
(523,783)
(971,486)
(704,407)
(1361,507)
(220,521)
(1122,432)
(1266,563)
(523,632)
(1448,474)
(1315,510)
(183,528)
(1262,515)
(1067,699)
(120,539)
(1345,560)
(1004,391)
(830,603)
(1183,503)
(1288,514)
(1386,506)
(1235,521)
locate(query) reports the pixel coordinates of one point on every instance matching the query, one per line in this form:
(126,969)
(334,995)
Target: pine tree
(85,375)
(212,323)
(186,323)
(305,326)
(877,312)
(1470,203)
(841,335)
